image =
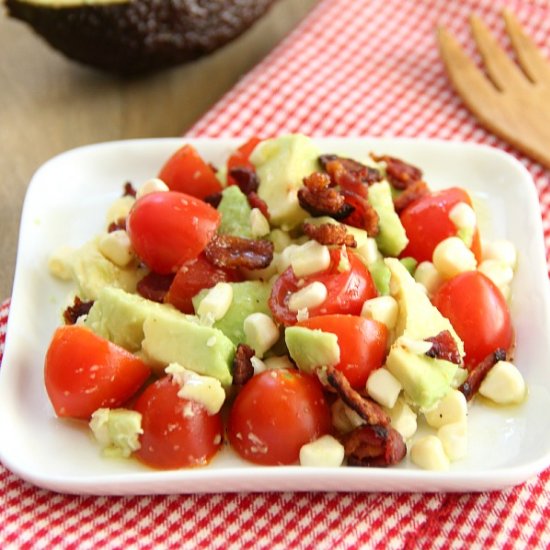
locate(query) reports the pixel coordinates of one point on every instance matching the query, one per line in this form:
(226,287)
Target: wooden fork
(513,103)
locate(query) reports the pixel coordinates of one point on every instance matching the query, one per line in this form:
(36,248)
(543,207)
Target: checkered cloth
(353,67)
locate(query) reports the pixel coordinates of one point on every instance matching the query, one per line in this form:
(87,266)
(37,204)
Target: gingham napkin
(353,67)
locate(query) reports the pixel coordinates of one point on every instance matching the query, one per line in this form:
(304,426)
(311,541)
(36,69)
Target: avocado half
(130,37)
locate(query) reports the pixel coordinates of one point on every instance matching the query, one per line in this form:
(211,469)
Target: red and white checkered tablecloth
(353,67)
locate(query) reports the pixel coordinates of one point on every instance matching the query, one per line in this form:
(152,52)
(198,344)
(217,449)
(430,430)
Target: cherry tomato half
(187,172)
(177,432)
(169,228)
(347,290)
(84,372)
(426,222)
(478,312)
(192,277)
(362,344)
(275,413)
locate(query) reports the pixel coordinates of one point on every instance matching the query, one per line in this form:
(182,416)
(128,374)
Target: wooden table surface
(49,104)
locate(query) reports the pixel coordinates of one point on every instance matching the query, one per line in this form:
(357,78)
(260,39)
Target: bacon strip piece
(79,308)
(329,234)
(367,409)
(129,190)
(399,173)
(471,385)
(364,216)
(319,198)
(255,201)
(414,191)
(243,370)
(154,287)
(349,173)
(231,251)
(374,446)
(213,199)
(444,347)
(118,225)
(246,179)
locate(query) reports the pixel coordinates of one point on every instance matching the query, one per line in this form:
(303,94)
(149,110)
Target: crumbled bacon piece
(243,370)
(246,178)
(79,308)
(129,190)
(444,347)
(154,286)
(231,251)
(367,409)
(364,216)
(471,385)
(374,446)
(330,234)
(214,199)
(349,173)
(255,201)
(399,173)
(414,191)
(117,225)
(320,199)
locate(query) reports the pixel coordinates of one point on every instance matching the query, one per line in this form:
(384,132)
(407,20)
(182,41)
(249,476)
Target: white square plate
(66,204)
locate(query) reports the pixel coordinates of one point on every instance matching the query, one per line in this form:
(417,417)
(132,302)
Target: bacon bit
(471,385)
(367,409)
(243,370)
(255,201)
(129,190)
(444,347)
(364,216)
(246,178)
(330,234)
(214,199)
(319,199)
(79,308)
(119,225)
(154,287)
(349,173)
(400,174)
(414,191)
(231,251)
(374,446)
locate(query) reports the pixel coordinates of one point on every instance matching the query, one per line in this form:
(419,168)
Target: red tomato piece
(362,344)
(275,413)
(478,312)
(177,432)
(426,222)
(84,372)
(241,158)
(187,172)
(347,290)
(192,277)
(168,229)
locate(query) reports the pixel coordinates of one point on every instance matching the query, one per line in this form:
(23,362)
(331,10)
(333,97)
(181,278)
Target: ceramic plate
(66,204)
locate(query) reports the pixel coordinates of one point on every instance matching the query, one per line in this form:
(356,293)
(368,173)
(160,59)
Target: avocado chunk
(312,348)
(235,213)
(129,37)
(392,238)
(424,379)
(204,350)
(92,272)
(381,276)
(248,297)
(281,164)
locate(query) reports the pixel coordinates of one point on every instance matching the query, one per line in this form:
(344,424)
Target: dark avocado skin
(140,36)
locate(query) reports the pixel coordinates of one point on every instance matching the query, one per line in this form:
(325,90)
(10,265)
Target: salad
(298,307)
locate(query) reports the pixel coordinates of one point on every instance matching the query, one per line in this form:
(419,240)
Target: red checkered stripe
(367,67)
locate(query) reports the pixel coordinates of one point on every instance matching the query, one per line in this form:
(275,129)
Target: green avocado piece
(235,213)
(381,276)
(138,36)
(162,332)
(392,238)
(248,297)
(92,271)
(312,348)
(424,379)
(281,165)
(410,264)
